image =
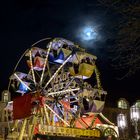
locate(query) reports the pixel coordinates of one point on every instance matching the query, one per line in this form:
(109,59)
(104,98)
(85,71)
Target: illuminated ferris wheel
(59,81)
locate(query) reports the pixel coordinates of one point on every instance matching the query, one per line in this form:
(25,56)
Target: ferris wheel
(60,77)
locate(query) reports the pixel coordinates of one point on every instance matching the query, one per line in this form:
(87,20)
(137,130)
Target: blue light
(23,88)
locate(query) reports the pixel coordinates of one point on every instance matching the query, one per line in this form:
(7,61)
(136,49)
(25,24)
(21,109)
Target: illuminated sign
(63,131)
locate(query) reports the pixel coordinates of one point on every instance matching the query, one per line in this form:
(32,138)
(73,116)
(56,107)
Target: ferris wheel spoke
(32,70)
(74,101)
(73,94)
(63,91)
(21,81)
(57,115)
(98,78)
(67,86)
(60,108)
(69,83)
(46,59)
(57,71)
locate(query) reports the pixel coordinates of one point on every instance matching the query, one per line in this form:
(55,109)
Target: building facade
(5,113)
(127,131)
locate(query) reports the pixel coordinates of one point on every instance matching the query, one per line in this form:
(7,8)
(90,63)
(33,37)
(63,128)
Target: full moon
(88,33)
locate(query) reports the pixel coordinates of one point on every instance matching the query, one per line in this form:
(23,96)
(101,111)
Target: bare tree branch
(126,49)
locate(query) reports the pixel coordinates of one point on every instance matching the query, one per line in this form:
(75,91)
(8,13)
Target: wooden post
(32,126)
(46,114)
(22,129)
(65,117)
(15,125)
(41,116)
(53,122)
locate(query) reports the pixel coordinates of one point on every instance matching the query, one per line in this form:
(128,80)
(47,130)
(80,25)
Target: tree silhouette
(125,50)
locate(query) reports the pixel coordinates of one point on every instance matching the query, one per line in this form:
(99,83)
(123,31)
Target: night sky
(27,21)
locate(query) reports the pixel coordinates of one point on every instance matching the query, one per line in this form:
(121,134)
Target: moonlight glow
(88,33)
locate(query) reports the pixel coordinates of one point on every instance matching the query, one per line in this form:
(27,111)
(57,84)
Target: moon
(88,33)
